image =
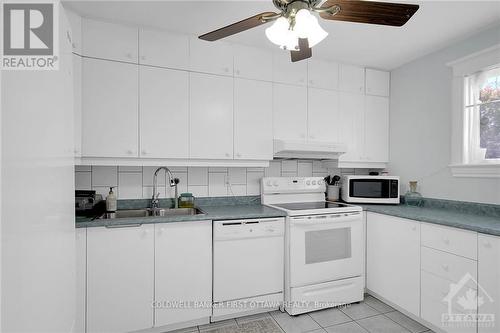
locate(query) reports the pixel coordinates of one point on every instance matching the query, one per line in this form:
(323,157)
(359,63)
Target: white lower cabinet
(393,260)
(183,273)
(120,275)
(489,281)
(81,278)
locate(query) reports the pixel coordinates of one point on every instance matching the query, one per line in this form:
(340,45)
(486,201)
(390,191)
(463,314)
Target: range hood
(308,150)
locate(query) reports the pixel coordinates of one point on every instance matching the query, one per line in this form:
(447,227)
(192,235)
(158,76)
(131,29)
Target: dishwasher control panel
(251,228)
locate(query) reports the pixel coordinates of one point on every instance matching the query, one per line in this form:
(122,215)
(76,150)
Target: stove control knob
(314,182)
(275,183)
(308,182)
(320,182)
(268,183)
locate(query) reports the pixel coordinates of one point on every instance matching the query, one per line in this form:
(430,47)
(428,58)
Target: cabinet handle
(446,268)
(414,228)
(487,244)
(226,69)
(143,58)
(228,155)
(446,241)
(129,55)
(312,137)
(311,82)
(238,155)
(144,152)
(130,152)
(238,72)
(118,226)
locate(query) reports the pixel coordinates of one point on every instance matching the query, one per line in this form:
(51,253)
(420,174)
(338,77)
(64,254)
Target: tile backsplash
(137,182)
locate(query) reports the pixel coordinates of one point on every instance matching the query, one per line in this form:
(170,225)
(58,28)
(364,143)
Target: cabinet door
(377,82)
(393,260)
(352,79)
(109,41)
(164,113)
(253,63)
(323,115)
(210,57)
(322,74)
(183,270)
(120,275)
(351,109)
(253,120)
(286,71)
(289,112)
(77,103)
(81,278)
(164,49)
(489,279)
(376,129)
(109,109)
(211,116)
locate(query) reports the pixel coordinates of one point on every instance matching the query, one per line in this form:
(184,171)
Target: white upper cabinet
(352,79)
(120,277)
(253,63)
(210,57)
(323,115)
(185,277)
(351,108)
(289,112)
(211,116)
(77,103)
(489,278)
(109,41)
(377,82)
(393,260)
(164,113)
(163,49)
(253,120)
(109,109)
(323,74)
(75,22)
(376,129)
(286,71)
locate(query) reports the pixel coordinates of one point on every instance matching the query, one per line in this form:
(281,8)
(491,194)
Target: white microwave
(370,189)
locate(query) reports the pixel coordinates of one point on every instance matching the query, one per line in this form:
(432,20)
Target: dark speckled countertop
(482,218)
(213,212)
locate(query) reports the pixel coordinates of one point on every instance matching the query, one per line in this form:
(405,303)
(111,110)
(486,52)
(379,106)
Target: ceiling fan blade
(384,13)
(237,27)
(304,51)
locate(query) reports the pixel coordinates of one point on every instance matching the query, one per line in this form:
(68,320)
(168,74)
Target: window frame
(465,151)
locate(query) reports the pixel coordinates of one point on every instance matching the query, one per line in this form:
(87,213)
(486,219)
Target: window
(482,117)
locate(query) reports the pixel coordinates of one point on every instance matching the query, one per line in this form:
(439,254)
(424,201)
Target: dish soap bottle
(111,201)
(412,197)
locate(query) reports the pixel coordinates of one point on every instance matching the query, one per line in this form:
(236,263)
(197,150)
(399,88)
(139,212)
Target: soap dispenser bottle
(111,201)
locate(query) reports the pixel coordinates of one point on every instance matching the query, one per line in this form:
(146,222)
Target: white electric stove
(324,251)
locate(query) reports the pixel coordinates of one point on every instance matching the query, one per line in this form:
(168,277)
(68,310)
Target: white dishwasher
(248,264)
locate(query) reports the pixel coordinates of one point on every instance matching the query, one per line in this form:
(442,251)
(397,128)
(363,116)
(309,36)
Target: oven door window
(327,245)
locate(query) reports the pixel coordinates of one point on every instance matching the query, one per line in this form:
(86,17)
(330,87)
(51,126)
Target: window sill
(491,170)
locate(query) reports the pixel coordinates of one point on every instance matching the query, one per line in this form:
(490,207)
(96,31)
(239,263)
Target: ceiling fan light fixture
(278,32)
(307,26)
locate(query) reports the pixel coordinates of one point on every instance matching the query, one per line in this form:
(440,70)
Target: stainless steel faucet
(173,183)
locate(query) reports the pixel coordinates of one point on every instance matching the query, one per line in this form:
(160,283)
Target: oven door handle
(334,219)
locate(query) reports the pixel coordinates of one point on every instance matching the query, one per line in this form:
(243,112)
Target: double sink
(148,212)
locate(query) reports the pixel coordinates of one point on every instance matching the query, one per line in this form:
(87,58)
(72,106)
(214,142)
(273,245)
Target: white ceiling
(435,25)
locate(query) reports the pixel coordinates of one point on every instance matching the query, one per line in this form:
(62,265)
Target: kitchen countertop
(222,212)
(469,221)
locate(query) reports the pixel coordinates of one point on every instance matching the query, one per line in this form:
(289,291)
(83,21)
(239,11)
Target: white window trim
(460,166)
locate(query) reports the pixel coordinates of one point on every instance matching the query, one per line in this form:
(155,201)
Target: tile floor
(369,316)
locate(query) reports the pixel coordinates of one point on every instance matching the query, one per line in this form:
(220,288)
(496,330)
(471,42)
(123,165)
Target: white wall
(136,182)
(420,124)
(38,226)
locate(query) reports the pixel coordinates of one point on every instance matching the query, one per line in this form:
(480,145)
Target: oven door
(325,248)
